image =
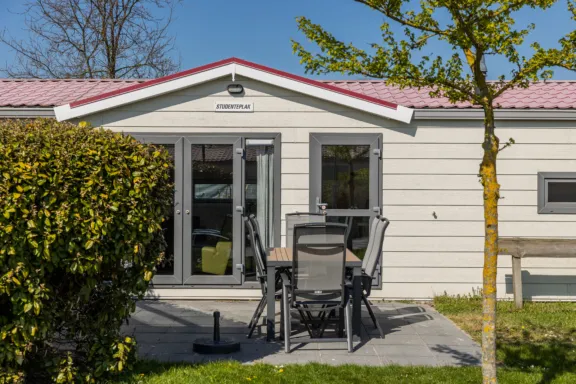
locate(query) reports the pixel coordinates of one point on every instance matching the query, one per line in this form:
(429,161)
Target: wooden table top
(283,257)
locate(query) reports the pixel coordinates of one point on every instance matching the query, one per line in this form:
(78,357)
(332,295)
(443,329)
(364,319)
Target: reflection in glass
(166,267)
(561,192)
(212,207)
(345,176)
(357,234)
(259,198)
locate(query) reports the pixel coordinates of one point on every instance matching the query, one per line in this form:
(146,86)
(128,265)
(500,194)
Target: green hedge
(80,234)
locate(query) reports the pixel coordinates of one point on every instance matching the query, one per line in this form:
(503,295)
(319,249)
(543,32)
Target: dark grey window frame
(178,142)
(375,140)
(544,207)
(171,137)
(372,139)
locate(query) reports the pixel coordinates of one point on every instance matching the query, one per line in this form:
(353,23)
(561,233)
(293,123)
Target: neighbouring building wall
(431,192)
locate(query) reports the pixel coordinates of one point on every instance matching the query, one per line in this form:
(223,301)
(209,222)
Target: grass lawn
(540,338)
(233,373)
(536,345)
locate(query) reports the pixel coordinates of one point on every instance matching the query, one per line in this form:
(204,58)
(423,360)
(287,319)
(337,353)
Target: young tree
(474,29)
(94,39)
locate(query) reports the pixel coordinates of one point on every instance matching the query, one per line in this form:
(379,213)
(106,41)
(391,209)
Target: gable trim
(232,66)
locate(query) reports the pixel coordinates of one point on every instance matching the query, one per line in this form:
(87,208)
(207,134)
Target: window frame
(545,207)
(376,143)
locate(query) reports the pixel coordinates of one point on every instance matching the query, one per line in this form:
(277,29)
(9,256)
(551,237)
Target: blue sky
(260,30)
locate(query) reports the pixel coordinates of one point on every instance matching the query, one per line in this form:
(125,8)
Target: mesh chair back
(295,218)
(376,251)
(258,236)
(371,241)
(319,256)
(258,256)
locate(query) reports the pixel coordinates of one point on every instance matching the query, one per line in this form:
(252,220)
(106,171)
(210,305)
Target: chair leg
(303,316)
(349,334)
(259,310)
(372,316)
(341,321)
(287,322)
(255,316)
(325,319)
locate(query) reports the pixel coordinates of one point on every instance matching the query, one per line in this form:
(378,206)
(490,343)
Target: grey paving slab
(404,350)
(414,335)
(397,339)
(453,340)
(330,349)
(409,360)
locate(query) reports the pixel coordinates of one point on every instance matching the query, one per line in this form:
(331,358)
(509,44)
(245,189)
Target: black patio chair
(257,234)
(259,258)
(370,263)
(295,218)
(318,282)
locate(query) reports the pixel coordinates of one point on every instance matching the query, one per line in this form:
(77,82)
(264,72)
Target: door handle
(239,209)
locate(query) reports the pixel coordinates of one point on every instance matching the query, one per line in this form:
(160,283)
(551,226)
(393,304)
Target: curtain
(265,193)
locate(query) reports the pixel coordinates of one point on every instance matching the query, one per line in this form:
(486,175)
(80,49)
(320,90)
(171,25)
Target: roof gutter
(25,112)
(499,114)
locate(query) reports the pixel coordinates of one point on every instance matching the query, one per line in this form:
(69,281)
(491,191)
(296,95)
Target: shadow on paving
(414,335)
(166,332)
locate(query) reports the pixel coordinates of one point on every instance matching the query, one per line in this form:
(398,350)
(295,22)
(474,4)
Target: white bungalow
(251,139)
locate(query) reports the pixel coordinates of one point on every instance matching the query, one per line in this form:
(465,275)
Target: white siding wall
(431,191)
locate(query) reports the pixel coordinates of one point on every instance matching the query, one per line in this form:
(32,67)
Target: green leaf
(89,244)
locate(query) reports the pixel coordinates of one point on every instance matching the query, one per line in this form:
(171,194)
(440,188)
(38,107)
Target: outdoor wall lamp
(235,89)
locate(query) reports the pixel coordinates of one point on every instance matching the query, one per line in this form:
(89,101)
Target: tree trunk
(489,181)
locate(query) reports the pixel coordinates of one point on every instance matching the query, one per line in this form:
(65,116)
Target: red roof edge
(220,63)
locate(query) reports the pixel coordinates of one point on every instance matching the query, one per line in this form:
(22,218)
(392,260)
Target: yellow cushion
(215,259)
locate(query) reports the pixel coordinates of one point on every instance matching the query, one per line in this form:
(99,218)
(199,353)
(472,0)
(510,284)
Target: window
(557,192)
(346,176)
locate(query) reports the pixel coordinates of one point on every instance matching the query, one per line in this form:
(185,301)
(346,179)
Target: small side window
(556,192)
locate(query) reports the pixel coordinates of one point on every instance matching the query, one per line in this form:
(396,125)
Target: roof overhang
(233,67)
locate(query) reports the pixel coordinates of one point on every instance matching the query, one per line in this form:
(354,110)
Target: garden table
(282,258)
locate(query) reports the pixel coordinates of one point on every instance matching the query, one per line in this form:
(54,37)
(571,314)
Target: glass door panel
(169,271)
(212,250)
(345,177)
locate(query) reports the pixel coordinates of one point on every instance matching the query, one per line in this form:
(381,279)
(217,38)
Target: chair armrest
(365,283)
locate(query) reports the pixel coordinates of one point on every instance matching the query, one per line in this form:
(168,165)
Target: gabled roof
(231,67)
(551,94)
(53,92)
(33,93)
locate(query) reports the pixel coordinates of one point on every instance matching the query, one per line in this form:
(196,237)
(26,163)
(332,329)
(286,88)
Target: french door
(345,182)
(213,210)
(216,180)
(169,271)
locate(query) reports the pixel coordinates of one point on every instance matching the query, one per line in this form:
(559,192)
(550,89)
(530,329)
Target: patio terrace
(416,334)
